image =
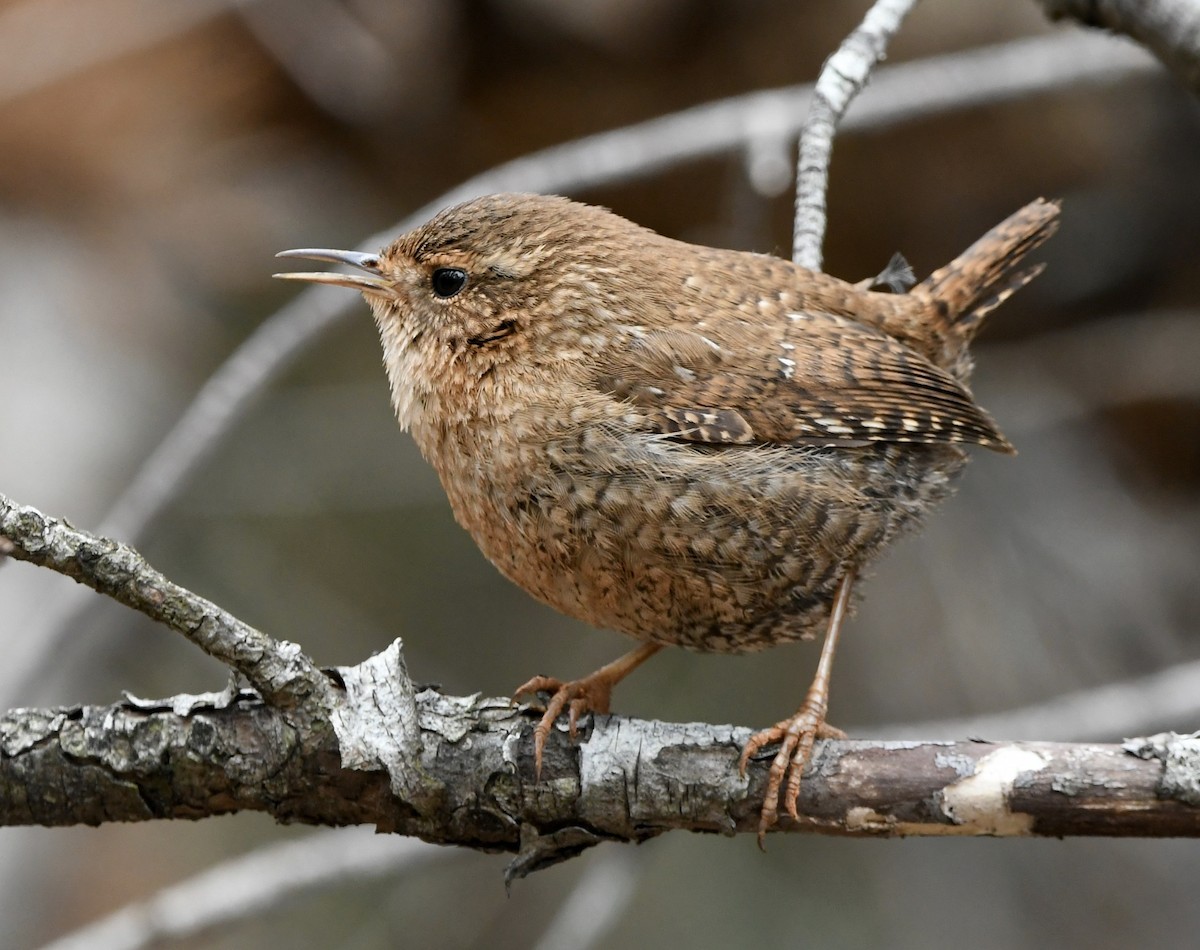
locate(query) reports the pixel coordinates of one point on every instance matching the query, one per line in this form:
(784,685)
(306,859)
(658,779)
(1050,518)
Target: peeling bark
(467,777)
(359,745)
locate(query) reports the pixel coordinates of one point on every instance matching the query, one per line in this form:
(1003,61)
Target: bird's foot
(578,696)
(796,737)
(592,693)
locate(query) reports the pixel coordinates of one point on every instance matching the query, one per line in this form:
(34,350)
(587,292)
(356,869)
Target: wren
(696,447)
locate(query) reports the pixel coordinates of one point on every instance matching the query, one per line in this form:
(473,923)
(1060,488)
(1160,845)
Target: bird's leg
(798,733)
(578,696)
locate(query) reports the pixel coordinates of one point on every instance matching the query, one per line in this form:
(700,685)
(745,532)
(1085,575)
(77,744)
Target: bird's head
(500,284)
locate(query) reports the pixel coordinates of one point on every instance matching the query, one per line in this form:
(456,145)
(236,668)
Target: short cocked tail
(989,271)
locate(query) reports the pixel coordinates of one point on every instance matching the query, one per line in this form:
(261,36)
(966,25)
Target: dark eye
(447,281)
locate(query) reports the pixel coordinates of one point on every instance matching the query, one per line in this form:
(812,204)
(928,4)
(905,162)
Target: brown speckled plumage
(686,444)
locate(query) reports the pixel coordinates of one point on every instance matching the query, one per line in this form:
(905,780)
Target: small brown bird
(693,446)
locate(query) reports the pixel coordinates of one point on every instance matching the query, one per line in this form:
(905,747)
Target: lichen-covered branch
(1168,28)
(625,780)
(843,76)
(361,746)
(277,669)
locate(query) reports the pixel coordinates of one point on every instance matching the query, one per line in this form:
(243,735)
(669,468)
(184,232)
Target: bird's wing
(823,379)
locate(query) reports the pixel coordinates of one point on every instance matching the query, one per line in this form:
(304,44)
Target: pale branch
(843,77)
(597,902)
(332,54)
(1107,362)
(1166,696)
(273,876)
(278,670)
(250,885)
(1168,28)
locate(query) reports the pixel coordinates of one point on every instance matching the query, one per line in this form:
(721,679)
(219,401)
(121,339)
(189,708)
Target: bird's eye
(447,281)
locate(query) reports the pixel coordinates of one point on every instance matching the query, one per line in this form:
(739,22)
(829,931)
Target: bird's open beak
(368,262)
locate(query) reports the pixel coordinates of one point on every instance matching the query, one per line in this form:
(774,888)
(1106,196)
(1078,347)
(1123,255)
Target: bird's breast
(723,550)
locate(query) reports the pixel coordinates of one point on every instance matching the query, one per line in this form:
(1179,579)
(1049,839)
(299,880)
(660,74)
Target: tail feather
(988,272)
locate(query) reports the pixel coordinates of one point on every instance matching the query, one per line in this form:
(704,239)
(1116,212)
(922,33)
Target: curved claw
(578,697)
(590,693)
(535,685)
(796,737)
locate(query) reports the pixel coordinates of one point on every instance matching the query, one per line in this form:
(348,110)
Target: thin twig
(250,885)
(278,670)
(843,77)
(1169,28)
(1101,713)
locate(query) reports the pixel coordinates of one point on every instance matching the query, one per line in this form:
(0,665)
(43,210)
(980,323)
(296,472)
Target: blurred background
(154,156)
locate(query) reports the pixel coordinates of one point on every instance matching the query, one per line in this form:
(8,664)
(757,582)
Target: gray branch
(249,885)
(624,780)
(843,77)
(362,746)
(278,670)
(1168,28)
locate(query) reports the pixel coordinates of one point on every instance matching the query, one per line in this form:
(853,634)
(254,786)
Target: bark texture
(464,775)
(1168,28)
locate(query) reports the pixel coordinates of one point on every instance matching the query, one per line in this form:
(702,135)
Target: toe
(578,707)
(755,743)
(796,737)
(538,684)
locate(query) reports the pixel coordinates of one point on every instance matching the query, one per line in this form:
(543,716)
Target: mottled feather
(828,380)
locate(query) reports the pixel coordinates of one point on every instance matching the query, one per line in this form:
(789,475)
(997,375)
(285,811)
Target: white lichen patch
(979,804)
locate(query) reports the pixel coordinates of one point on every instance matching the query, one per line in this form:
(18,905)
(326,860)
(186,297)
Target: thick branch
(625,780)
(1168,28)
(369,750)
